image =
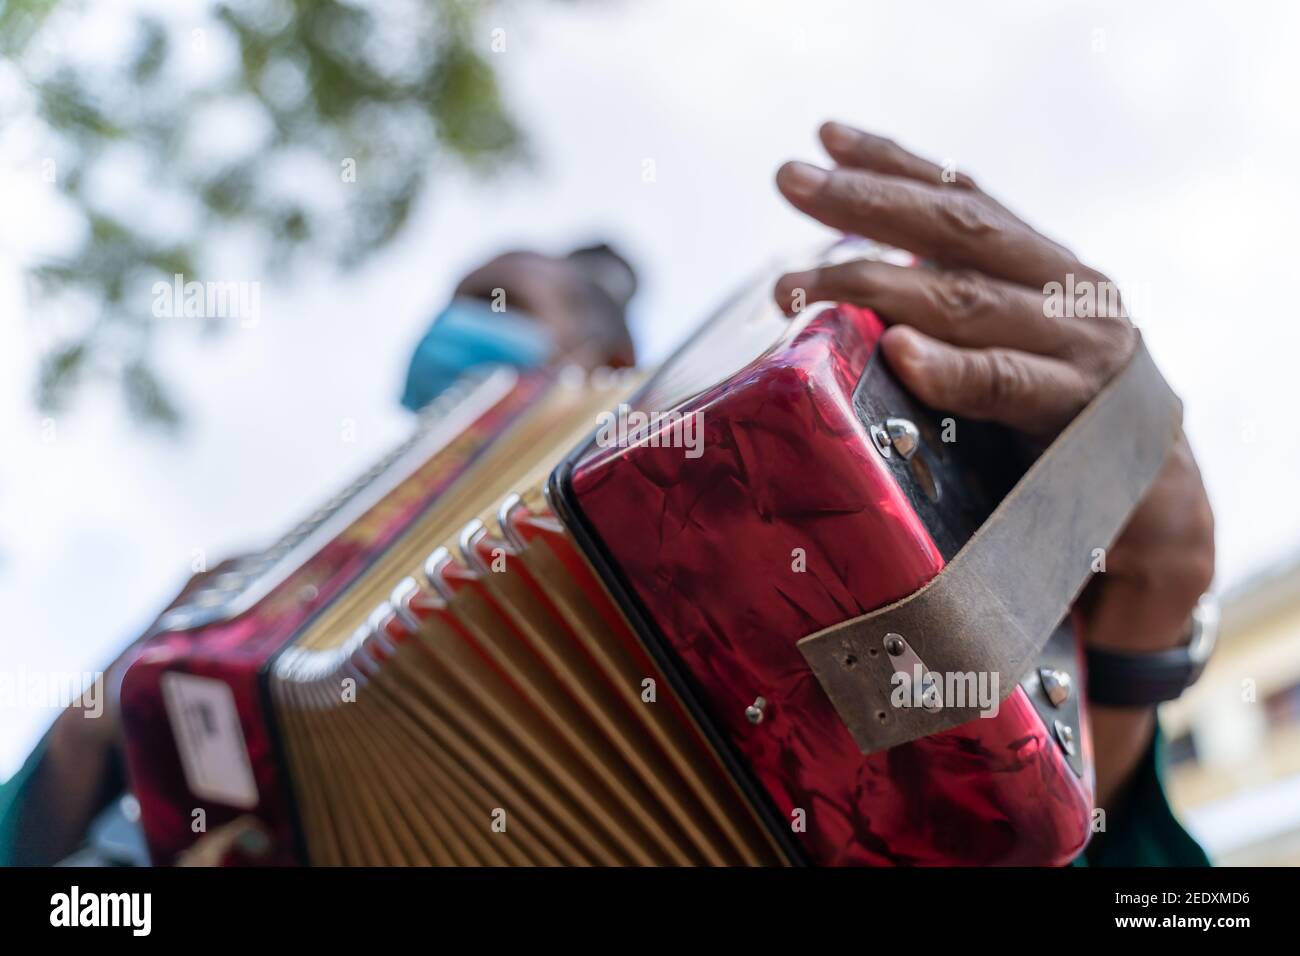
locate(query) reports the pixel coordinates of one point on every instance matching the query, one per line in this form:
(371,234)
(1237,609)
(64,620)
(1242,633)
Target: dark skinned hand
(973,336)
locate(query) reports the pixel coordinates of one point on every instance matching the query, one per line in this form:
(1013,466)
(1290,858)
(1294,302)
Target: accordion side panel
(788,522)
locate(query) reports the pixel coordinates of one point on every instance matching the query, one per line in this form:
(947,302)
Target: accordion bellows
(515,643)
(499,715)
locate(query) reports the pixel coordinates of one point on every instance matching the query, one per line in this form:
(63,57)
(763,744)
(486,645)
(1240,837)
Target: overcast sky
(1159,140)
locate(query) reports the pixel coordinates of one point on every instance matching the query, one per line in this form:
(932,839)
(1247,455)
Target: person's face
(553,292)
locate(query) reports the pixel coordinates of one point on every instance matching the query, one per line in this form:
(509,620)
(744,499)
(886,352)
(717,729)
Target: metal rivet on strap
(906,662)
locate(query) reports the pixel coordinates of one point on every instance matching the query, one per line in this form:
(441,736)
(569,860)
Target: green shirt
(13,794)
(1145,832)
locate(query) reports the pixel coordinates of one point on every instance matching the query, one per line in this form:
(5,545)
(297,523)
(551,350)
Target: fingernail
(838,136)
(802,180)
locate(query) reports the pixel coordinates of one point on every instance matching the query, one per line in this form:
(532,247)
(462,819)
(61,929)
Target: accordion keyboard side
(788,521)
(201,741)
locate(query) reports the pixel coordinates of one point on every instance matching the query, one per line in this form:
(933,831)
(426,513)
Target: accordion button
(1064,736)
(896,436)
(1056,685)
(903,436)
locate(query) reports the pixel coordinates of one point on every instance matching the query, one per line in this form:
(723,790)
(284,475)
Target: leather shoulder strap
(987,615)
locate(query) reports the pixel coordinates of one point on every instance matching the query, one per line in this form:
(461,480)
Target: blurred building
(1234,738)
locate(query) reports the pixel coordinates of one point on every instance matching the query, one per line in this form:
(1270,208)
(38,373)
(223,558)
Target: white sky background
(1167,160)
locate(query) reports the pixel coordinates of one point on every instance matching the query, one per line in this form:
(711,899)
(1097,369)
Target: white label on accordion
(205,724)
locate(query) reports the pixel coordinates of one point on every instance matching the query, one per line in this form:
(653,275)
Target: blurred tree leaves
(357,103)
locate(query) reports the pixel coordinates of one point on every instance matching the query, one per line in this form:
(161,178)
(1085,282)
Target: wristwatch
(1138,679)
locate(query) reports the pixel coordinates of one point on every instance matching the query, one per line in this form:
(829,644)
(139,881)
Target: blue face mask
(465,334)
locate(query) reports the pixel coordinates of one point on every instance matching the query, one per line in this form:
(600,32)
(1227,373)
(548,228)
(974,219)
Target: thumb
(1036,394)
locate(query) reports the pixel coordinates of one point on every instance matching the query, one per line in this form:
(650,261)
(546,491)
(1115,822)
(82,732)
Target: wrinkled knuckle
(865,196)
(1100,349)
(964,294)
(1004,379)
(966,222)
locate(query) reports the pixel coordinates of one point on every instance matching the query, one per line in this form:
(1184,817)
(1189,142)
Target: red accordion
(562,625)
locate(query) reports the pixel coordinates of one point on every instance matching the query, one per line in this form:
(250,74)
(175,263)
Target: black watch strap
(1120,679)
